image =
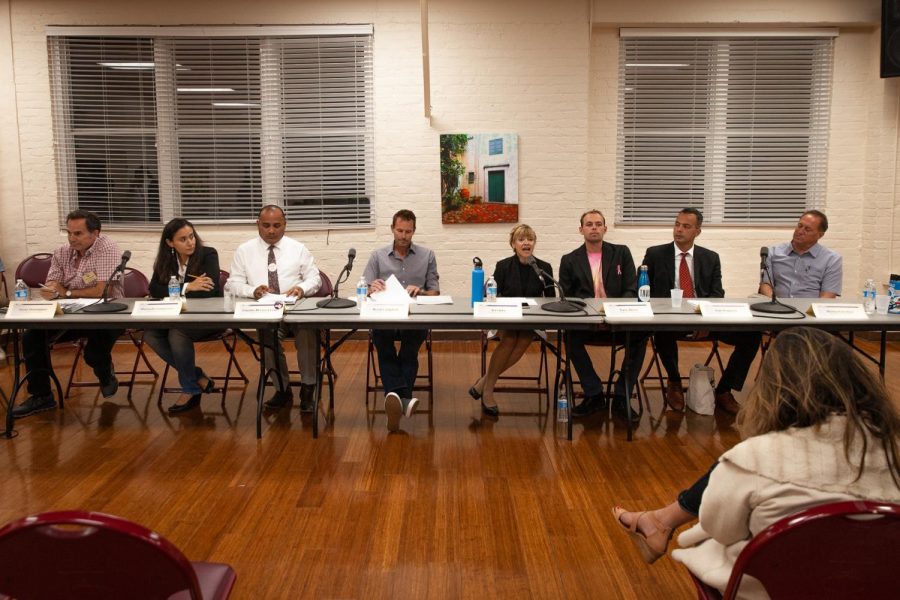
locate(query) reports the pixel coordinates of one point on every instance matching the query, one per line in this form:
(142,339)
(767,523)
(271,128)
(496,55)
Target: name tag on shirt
(837,312)
(379,310)
(36,310)
(89,278)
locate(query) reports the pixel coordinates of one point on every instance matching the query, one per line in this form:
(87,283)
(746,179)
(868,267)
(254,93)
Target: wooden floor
(453,507)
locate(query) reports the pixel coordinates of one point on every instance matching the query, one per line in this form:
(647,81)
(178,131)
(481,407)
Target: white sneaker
(393,406)
(410,406)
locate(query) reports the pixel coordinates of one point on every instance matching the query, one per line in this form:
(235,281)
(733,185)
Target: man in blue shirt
(803,268)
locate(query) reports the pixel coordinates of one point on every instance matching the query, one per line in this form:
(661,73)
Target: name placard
(378,310)
(495,310)
(37,310)
(630,310)
(726,310)
(255,310)
(163,308)
(823,310)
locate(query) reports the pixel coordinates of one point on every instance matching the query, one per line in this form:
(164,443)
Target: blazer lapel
(670,265)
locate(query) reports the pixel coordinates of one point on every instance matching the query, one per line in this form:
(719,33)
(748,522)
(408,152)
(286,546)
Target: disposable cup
(881,304)
(677,295)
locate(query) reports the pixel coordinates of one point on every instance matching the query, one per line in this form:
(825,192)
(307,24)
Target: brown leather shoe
(675,395)
(726,402)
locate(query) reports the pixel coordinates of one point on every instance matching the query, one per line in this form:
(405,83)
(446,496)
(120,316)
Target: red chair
(33,270)
(228,338)
(135,285)
(837,550)
(78,554)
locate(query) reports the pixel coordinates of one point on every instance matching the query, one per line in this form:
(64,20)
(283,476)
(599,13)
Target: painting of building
(479,178)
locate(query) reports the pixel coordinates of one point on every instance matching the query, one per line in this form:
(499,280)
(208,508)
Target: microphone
(333,301)
(772,306)
(104,305)
(562,305)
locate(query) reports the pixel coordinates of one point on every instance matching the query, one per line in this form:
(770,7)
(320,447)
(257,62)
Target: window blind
(737,127)
(211,127)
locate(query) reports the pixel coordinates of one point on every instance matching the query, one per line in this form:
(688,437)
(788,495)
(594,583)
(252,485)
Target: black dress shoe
(307,401)
(474,393)
(623,410)
(192,403)
(491,411)
(34,405)
(590,405)
(210,385)
(279,400)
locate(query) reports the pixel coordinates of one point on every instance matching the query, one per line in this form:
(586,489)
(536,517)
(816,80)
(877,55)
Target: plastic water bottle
(644,285)
(174,287)
(477,281)
(228,297)
(869,296)
(362,290)
(22,292)
(562,412)
(491,290)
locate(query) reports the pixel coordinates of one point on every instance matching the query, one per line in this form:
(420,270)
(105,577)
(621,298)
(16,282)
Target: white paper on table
(76,302)
(273,298)
(434,300)
(393,293)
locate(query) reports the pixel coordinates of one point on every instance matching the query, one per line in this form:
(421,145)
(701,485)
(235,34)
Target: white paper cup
(677,294)
(881,304)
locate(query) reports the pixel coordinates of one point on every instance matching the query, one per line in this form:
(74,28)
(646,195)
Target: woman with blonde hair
(819,427)
(515,278)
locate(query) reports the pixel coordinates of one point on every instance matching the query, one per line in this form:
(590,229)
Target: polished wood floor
(453,507)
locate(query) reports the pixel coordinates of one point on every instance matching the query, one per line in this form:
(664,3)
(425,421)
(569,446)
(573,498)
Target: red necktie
(684,278)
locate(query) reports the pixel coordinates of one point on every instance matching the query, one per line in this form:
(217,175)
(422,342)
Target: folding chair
(228,337)
(836,550)
(79,554)
(424,381)
(655,363)
(33,270)
(135,285)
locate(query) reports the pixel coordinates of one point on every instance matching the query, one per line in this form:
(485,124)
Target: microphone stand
(772,306)
(563,305)
(105,306)
(334,301)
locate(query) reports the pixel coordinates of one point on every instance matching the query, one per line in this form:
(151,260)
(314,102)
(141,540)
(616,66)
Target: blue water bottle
(477,281)
(643,284)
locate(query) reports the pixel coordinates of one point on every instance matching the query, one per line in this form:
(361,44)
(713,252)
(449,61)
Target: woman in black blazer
(515,277)
(196,267)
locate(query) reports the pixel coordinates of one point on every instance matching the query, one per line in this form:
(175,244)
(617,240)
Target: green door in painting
(496,186)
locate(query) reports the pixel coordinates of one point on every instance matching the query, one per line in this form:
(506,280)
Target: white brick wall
(531,67)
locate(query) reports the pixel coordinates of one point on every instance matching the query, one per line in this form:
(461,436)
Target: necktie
(599,290)
(273,272)
(684,278)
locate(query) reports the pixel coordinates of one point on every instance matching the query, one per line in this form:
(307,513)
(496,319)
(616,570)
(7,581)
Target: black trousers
(36,346)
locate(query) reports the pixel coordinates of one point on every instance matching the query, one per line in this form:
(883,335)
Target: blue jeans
(398,369)
(176,348)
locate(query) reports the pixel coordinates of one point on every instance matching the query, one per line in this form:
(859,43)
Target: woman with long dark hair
(819,427)
(196,267)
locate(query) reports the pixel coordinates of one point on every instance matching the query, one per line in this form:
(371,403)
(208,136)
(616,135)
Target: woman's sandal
(651,547)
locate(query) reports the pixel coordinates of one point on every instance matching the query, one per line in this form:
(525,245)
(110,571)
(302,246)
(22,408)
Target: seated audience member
(415,268)
(598,269)
(273,263)
(803,268)
(698,272)
(819,427)
(515,278)
(77,270)
(182,254)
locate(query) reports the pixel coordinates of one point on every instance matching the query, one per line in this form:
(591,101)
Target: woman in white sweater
(819,427)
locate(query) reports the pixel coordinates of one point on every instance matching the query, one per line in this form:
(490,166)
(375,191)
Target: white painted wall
(551,78)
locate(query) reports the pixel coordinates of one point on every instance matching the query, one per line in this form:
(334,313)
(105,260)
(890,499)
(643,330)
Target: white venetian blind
(228,122)
(734,126)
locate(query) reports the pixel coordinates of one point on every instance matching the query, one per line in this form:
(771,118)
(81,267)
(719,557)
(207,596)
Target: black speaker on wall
(890,38)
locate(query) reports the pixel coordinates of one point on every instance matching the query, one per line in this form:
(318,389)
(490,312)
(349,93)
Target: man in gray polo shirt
(416,269)
(803,268)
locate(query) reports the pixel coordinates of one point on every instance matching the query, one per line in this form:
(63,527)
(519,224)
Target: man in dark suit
(598,269)
(698,272)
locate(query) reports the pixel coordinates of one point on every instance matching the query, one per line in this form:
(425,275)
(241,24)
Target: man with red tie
(698,272)
(598,269)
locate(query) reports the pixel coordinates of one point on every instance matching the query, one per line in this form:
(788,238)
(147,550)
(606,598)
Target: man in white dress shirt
(272,263)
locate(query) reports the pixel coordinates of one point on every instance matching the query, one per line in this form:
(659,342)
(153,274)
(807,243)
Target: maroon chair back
(838,550)
(33,270)
(223,278)
(135,284)
(326,288)
(78,554)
